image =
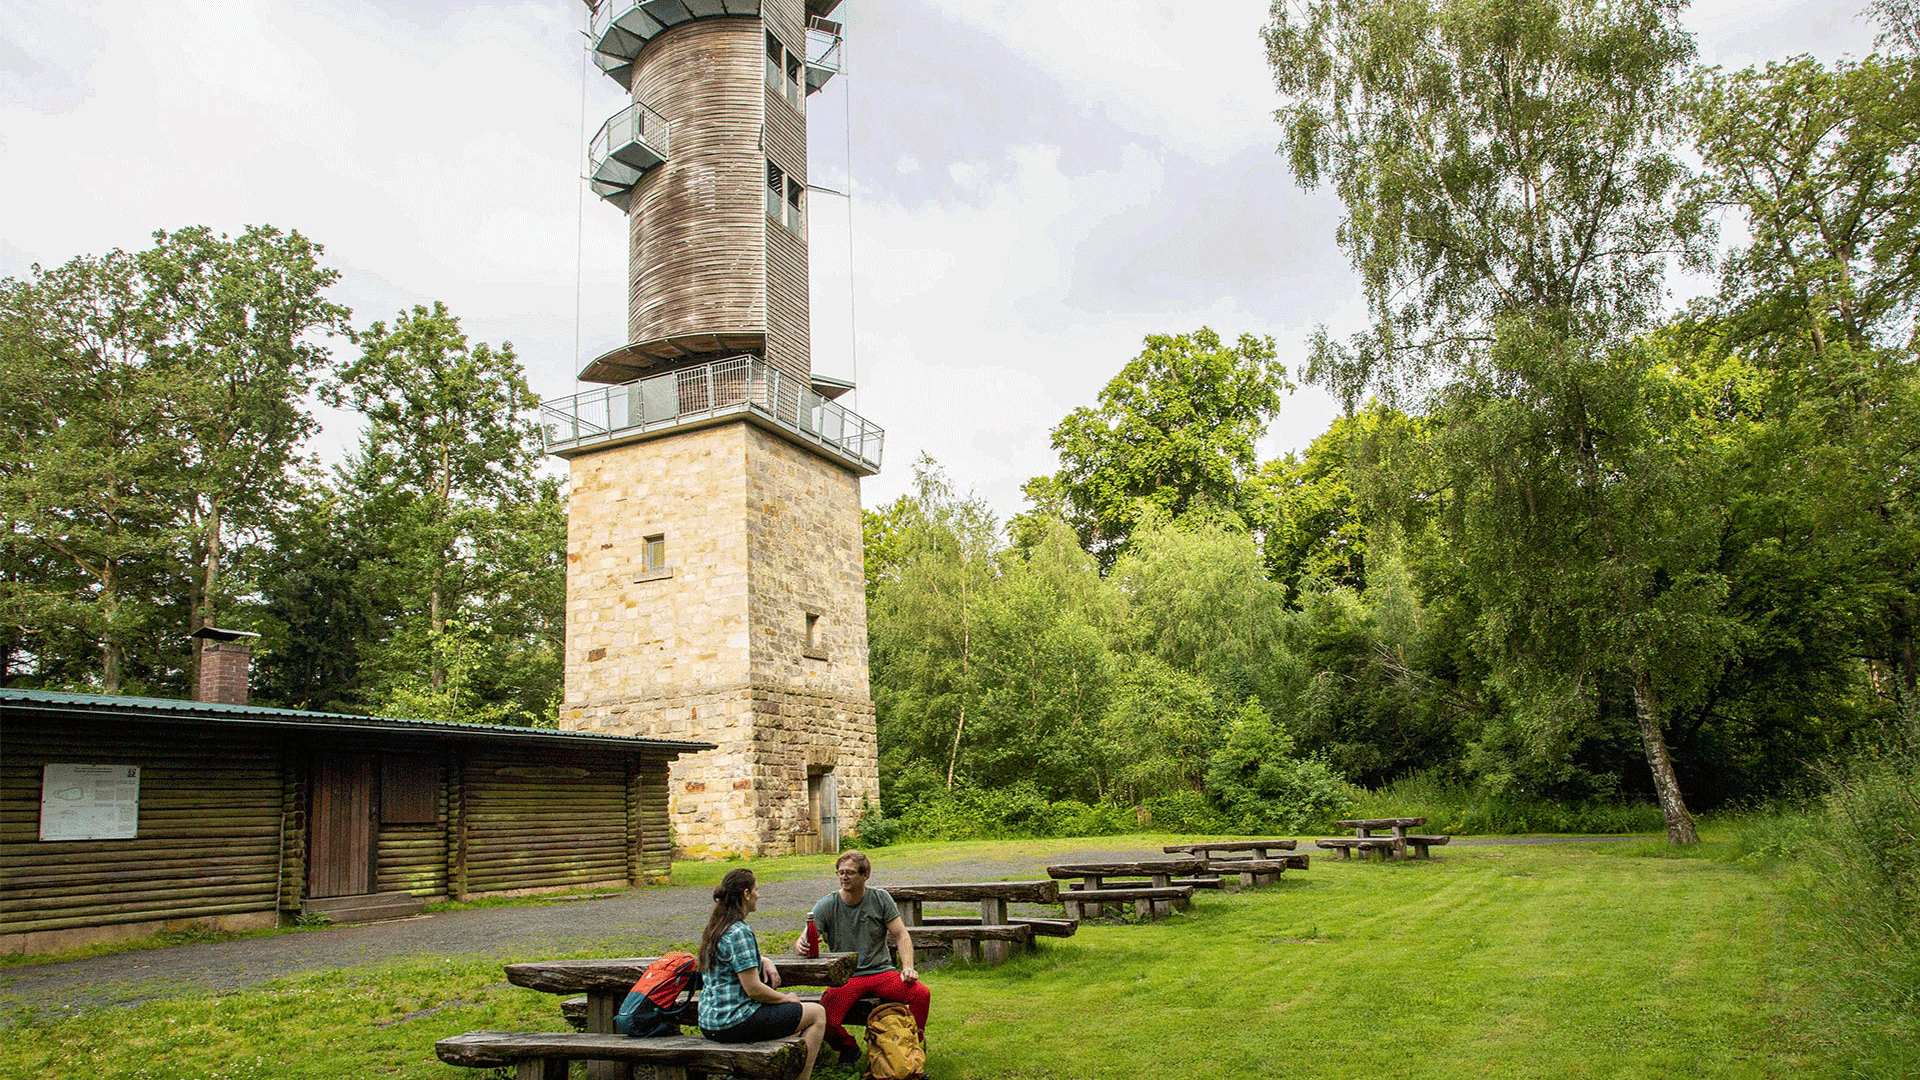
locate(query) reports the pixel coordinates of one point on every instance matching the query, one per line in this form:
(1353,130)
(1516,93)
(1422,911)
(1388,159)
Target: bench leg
(1072,907)
(1143,907)
(963,949)
(540,1069)
(994,952)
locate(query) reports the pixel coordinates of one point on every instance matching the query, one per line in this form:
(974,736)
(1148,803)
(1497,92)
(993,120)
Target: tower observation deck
(715,577)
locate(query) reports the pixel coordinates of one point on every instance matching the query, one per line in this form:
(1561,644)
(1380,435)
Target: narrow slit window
(796,211)
(653,552)
(776,180)
(813,632)
(774,82)
(796,82)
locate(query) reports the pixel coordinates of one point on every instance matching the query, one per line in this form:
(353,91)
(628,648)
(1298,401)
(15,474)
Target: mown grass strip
(1561,961)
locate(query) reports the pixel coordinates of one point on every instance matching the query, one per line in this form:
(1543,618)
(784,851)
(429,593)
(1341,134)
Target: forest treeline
(155,477)
(1566,543)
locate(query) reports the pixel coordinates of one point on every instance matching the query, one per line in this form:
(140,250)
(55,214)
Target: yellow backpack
(893,1044)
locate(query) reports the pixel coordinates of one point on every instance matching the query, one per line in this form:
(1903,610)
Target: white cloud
(1039,184)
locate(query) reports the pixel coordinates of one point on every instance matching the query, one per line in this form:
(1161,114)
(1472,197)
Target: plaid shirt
(723,1001)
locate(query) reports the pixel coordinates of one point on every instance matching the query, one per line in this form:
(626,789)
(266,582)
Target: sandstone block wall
(759,534)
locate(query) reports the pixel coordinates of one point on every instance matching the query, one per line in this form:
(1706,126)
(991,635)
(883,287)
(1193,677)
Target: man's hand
(909,974)
(768,973)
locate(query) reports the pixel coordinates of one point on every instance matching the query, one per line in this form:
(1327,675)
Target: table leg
(602,1006)
(993,911)
(909,912)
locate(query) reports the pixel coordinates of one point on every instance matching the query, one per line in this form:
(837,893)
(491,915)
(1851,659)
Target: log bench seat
(1194,882)
(543,1055)
(574,1009)
(980,941)
(992,936)
(1255,872)
(1041,927)
(1347,845)
(1153,902)
(1383,845)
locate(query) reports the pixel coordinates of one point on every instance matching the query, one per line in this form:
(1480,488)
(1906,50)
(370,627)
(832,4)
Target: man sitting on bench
(860,920)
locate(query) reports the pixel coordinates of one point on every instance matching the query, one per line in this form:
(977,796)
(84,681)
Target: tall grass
(1461,810)
(1863,892)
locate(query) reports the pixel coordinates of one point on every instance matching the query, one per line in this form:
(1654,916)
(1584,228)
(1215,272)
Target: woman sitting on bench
(739,1001)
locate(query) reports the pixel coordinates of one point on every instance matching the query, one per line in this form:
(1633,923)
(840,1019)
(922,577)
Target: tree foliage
(1174,432)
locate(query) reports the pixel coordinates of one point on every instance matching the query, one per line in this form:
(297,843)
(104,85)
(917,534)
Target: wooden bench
(1364,840)
(606,983)
(544,1055)
(1196,882)
(574,1010)
(1347,845)
(1153,902)
(1256,872)
(993,936)
(1041,927)
(1252,849)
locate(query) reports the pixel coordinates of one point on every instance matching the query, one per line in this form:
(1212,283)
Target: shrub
(1870,825)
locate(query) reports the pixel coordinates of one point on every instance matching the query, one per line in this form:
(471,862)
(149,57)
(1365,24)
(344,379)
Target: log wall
(545,820)
(209,835)
(224,816)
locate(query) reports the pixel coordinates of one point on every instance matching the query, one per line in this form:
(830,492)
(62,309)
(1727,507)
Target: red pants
(885,985)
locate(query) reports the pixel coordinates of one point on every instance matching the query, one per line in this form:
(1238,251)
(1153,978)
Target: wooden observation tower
(715,583)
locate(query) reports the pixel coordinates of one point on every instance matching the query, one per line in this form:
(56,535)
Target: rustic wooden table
(606,983)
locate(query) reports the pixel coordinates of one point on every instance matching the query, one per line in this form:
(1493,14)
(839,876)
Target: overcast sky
(1036,185)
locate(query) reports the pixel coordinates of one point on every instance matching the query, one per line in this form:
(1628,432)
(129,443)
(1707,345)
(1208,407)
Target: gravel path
(635,922)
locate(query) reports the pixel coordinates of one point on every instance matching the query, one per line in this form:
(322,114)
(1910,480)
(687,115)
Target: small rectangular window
(796,82)
(774,81)
(653,552)
(409,791)
(816,640)
(776,182)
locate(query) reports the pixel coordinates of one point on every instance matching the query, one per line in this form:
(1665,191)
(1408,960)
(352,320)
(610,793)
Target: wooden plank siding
(209,828)
(516,842)
(226,812)
(696,224)
(788,332)
(786,20)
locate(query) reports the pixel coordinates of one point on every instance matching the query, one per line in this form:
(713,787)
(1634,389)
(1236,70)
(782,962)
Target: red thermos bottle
(810,938)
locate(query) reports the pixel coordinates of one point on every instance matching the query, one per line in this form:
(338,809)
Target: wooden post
(910,912)
(602,1006)
(993,911)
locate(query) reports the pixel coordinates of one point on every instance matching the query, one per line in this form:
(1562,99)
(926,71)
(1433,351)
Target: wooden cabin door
(340,853)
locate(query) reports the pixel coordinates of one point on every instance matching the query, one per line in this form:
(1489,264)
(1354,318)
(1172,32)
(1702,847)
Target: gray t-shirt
(860,928)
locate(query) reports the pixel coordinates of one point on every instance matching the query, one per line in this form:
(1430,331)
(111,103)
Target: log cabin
(124,816)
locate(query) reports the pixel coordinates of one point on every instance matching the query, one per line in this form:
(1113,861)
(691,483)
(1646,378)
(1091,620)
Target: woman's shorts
(767,1022)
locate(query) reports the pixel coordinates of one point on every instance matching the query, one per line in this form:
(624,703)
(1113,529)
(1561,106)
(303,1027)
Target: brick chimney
(225,664)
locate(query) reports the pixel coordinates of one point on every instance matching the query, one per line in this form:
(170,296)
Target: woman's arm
(761,992)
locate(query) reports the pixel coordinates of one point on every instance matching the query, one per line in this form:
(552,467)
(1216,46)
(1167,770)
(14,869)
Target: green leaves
(1174,433)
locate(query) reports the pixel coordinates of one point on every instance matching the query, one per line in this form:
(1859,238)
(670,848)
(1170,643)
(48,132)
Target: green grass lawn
(1553,961)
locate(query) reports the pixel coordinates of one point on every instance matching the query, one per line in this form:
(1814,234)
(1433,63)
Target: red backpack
(654,1007)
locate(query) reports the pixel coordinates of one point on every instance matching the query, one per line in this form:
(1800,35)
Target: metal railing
(635,124)
(741,385)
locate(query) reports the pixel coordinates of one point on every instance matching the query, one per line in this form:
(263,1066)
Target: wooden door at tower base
(341,852)
(823,815)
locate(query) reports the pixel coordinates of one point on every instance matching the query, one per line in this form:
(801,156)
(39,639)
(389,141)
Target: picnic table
(992,935)
(608,1053)
(1153,901)
(1393,845)
(1257,862)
